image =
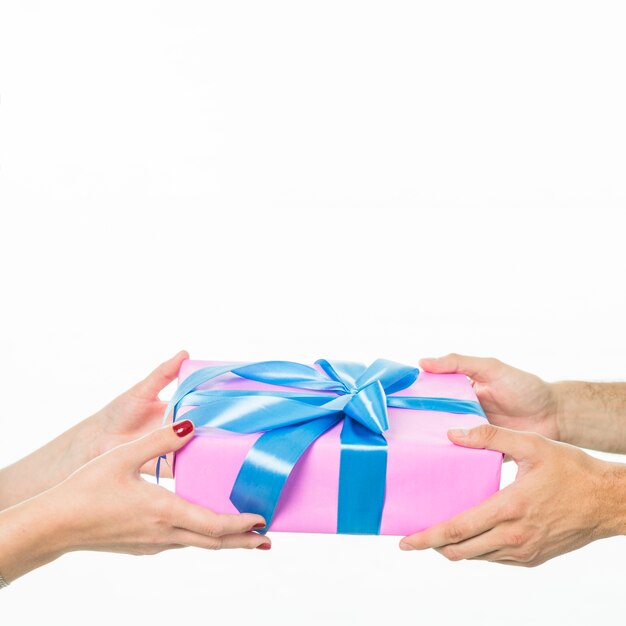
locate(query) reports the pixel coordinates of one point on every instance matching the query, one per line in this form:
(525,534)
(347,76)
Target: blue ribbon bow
(292,421)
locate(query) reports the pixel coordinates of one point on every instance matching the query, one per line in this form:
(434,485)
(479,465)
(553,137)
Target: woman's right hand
(106,505)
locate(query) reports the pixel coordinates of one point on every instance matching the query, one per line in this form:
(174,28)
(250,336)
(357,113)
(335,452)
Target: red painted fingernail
(183,428)
(259,525)
(264,546)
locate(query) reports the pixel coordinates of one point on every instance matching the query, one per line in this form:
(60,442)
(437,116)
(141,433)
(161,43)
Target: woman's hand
(107,506)
(561,500)
(136,412)
(510,397)
(130,415)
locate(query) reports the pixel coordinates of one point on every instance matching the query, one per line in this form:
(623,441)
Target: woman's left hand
(128,417)
(136,412)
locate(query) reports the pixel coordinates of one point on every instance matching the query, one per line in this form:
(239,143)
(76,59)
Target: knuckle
(486,432)
(528,558)
(453,533)
(215,544)
(451,553)
(215,527)
(526,555)
(516,539)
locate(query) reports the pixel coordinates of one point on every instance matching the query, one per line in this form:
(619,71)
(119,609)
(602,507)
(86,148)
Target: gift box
(332,447)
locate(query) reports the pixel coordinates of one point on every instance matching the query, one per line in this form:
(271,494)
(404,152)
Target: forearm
(592,415)
(31,535)
(48,465)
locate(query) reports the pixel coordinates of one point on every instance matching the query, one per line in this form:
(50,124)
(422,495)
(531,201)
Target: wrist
(50,464)
(562,392)
(613,499)
(88,442)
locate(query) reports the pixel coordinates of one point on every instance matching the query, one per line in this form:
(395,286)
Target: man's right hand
(510,397)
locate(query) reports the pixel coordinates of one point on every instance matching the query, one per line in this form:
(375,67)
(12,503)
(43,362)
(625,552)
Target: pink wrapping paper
(429,479)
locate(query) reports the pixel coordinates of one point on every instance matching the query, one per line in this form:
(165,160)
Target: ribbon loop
(344,372)
(392,376)
(288,374)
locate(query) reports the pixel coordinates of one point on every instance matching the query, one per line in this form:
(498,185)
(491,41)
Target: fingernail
(459,432)
(182,429)
(259,525)
(405,546)
(264,546)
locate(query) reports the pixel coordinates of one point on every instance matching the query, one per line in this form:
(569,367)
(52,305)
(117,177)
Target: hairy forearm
(48,465)
(592,415)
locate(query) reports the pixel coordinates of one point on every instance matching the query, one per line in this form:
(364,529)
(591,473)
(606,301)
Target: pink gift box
(429,479)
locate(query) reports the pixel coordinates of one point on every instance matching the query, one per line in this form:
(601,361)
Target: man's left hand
(561,500)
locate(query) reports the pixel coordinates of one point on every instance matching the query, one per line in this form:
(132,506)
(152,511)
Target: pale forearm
(48,465)
(31,535)
(592,415)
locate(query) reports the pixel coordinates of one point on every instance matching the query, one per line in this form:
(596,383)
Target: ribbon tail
(362,479)
(269,463)
(157,469)
(445,405)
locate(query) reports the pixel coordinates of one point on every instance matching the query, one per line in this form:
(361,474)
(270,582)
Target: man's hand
(510,397)
(561,500)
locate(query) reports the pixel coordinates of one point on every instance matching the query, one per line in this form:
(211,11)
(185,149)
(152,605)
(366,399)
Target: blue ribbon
(291,421)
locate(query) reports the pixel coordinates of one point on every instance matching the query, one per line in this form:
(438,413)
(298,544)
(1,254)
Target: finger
(201,520)
(478,368)
(159,442)
(248,540)
(481,545)
(518,445)
(161,377)
(462,527)
(498,557)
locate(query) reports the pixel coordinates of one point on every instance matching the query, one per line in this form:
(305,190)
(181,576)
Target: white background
(252,180)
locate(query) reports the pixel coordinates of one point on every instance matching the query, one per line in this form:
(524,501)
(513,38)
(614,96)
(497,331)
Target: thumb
(159,442)
(478,368)
(160,377)
(518,445)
